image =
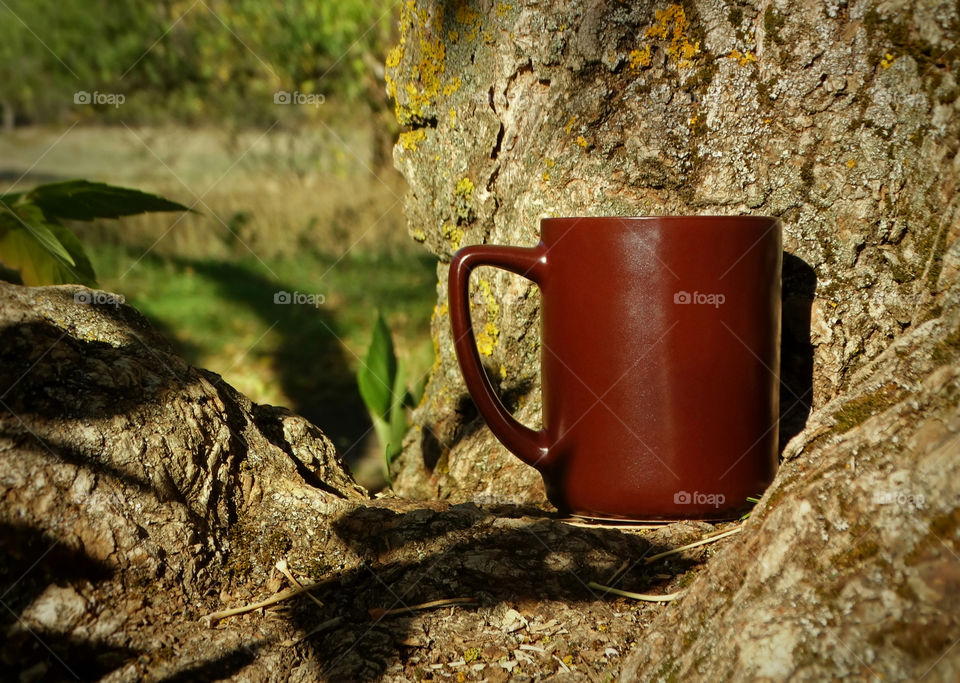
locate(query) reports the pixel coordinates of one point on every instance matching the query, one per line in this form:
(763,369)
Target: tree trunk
(139,495)
(842,119)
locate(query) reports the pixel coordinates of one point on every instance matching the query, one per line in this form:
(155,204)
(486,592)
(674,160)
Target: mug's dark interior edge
(666,217)
(660,521)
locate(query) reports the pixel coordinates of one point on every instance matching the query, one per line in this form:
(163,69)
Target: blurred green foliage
(215,60)
(41,249)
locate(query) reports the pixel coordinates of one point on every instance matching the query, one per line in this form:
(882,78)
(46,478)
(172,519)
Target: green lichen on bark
(864,407)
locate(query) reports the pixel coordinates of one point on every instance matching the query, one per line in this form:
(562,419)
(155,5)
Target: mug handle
(532,447)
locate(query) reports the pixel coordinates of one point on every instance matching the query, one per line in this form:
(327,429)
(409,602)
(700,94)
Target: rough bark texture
(840,117)
(138,494)
(135,483)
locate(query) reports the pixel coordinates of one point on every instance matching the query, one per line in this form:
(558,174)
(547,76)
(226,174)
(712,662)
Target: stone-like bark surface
(841,118)
(132,484)
(138,494)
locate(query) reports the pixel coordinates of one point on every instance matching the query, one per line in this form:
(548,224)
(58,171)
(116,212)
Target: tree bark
(139,495)
(842,119)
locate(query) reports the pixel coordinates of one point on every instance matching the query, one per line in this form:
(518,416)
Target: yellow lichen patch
(424,80)
(453,234)
(640,58)
(394,56)
(743,57)
(582,141)
(851,163)
(411,138)
(549,164)
(464,189)
(503,9)
(493,308)
(419,236)
(452,86)
(463,198)
(888,60)
(488,338)
(485,344)
(671,23)
(569,126)
(467,16)
(453,116)
(453,37)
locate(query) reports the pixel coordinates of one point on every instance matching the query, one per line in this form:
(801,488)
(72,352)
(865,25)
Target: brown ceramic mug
(659,357)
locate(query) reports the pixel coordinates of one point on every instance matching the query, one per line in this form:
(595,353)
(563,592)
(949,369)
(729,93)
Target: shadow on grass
(311,363)
(313,366)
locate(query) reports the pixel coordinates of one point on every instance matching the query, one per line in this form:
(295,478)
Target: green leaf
(82,270)
(82,200)
(378,372)
(31,219)
(43,252)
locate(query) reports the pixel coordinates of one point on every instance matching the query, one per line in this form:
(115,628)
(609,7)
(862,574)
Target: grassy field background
(307,211)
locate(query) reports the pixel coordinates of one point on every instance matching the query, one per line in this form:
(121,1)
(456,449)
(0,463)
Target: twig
(282,567)
(646,597)
(325,626)
(562,664)
(639,526)
(620,570)
(379,612)
(702,541)
(215,617)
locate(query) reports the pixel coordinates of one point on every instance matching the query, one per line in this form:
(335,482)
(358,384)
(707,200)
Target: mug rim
(707,217)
